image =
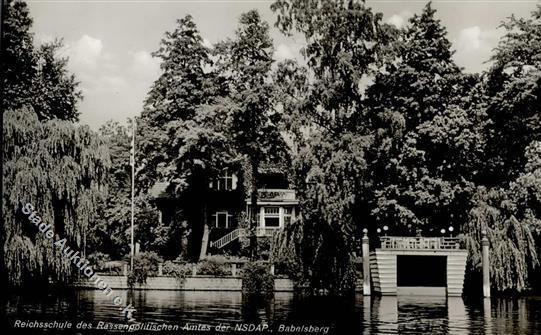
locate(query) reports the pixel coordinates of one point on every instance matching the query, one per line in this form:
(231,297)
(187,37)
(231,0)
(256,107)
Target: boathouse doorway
(417,274)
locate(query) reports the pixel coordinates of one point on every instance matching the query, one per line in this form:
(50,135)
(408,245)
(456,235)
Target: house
(227,206)
(276,207)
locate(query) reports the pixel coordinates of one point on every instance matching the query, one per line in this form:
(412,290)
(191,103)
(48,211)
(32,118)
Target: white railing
(235,234)
(265,231)
(399,242)
(228,238)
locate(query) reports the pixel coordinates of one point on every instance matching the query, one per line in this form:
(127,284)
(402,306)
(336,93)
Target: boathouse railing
(400,242)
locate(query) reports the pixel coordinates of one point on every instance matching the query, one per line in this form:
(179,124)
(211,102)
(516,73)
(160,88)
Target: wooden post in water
(486,265)
(366,263)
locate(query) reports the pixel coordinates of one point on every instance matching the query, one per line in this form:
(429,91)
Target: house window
(227,181)
(272,216)
(288,214)
(222,219)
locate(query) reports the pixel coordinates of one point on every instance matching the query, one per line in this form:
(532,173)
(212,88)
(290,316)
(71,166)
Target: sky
(109,42)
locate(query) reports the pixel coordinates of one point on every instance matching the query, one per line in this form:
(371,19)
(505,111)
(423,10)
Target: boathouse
(418,266)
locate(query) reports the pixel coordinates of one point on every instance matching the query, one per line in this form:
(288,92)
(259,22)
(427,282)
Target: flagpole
(132,163)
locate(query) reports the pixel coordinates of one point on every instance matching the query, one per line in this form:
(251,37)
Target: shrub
(97,260)
(144,264)
(179,271)
(288,268)
(257,280)
(214,266)
(264,247)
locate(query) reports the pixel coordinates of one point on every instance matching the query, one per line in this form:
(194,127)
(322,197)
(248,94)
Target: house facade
(276,207)
(227,206)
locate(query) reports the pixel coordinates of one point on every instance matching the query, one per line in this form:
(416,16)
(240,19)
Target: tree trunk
(254,212)
(205,238)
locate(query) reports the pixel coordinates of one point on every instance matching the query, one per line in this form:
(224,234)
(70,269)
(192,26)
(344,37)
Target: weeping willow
(329,173)
(513,252)
(60,168)
(286,251)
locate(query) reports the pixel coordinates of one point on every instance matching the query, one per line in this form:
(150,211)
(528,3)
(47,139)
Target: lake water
(200,311)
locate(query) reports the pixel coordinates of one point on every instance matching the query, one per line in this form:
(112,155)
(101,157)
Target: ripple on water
(377,315)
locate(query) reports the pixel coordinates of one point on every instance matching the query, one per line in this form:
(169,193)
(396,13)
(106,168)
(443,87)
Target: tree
(184,83)
(513,94)
(511,216)
(428,143)
(507,197)
(35,77)
(55,92)
(346,42)
(18,55)
(180,140)
(111,232)
(174,98)
(245,66)
(60,169)
(206,152)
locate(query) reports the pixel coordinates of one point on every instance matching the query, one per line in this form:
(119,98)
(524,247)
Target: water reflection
(487,315)
(458,319)
(359,315)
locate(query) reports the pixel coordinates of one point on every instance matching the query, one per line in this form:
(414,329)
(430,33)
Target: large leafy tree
(18,59)
(427,143)
(244,65)
(511,217)
(48,161)
(60,169)
(31,76)
(324,106)
(184,83)
(344,42)
(506,203)
(111,231)
(513,97)
(206,152)
(173,98)
(179,138)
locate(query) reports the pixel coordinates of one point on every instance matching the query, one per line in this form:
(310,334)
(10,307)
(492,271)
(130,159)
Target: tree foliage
(60,169)
(181,140)
(244,64)
(513,92)
(326,102)
(427,145)
(111,232)
(35,76)
(182,87)
(511,217)
(420,145)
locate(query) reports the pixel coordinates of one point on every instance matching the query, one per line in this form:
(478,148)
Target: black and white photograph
(312,167)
